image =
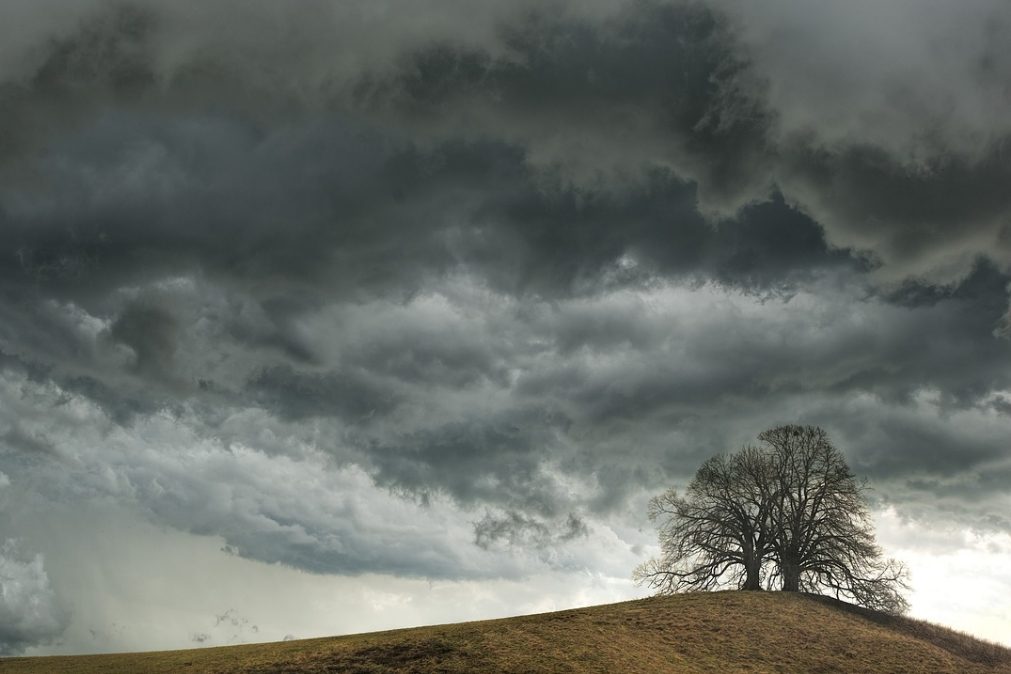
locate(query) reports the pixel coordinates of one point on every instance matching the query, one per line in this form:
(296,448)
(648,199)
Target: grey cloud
(30,614)
(915,78)
(27,441)
(593,374)
(694,90)
(345,394)
(299,512)
(667,362)
(150,332)
(284,502)
(515,529)
(499,459)
(931,464)
(889,124)
(929,210)
(596,398)
(171,175)
(476,207)
(522,241)
(665,74)
(928,221)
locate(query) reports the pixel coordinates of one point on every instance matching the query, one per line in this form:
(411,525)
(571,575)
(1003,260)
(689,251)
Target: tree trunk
(791,576)
(752,581)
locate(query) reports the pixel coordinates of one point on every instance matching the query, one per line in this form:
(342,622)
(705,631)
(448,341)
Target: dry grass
(962,644)
(719,632)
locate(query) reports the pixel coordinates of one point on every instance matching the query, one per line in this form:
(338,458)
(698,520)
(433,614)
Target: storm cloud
(444,291)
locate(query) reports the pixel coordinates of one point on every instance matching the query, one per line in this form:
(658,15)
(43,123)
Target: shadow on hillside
(957,643)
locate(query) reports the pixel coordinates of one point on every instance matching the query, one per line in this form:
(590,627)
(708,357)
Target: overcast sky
(328,316)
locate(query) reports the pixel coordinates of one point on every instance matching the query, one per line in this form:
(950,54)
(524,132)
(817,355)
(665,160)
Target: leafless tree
(823,539)
(790,513)
(717,534)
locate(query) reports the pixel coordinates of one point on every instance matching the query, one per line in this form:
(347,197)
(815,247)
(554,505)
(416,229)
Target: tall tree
(717,533)
(822,537)
(790,512)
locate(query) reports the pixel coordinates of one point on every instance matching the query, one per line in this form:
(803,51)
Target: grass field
(716,632)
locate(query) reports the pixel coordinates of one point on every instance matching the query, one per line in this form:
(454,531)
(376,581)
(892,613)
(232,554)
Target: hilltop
(711,632)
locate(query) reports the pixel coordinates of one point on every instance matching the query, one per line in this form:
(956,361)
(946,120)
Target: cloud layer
(444,291)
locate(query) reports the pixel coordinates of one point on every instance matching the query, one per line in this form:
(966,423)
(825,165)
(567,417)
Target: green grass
(713,632)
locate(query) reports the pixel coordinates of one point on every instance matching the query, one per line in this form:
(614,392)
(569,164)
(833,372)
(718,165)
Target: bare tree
(717,534)
(790,512)
(823,539)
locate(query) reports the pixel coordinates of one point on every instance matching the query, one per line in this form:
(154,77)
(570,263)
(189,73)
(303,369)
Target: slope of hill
(717,632)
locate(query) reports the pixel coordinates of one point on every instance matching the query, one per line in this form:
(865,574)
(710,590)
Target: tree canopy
(787,513)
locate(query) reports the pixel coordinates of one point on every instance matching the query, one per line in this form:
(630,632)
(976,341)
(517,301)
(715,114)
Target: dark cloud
(491,460)
(931,219)
(18,439)
(662,72)
(515,529)
(150,333)
(347,394)
(329,194)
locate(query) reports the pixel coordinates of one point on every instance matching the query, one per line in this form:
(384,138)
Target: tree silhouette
(823,538)
(790,513)
(718,533)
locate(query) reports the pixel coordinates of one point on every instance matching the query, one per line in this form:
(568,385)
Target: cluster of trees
(788,513)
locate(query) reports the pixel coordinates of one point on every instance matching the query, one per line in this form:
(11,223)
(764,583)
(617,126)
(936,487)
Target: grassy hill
(718,632)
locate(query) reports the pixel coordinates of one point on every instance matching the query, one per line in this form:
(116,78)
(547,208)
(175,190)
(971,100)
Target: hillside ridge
(702,632)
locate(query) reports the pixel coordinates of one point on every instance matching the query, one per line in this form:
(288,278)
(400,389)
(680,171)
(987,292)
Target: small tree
(790,511)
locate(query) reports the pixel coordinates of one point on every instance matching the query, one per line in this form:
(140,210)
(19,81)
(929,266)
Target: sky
(330,317)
